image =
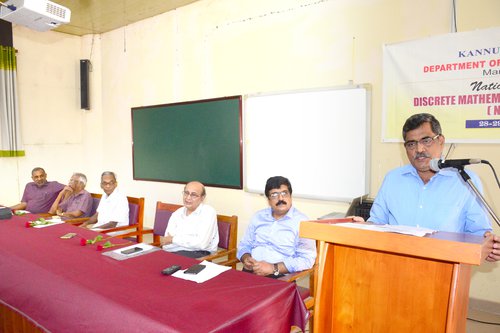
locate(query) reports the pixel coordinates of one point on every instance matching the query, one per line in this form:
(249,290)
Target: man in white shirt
(192,229)
(113,208)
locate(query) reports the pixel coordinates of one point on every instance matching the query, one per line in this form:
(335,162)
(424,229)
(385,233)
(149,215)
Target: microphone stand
(467,179)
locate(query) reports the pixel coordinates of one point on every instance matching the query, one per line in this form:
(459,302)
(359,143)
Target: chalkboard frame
(220,109)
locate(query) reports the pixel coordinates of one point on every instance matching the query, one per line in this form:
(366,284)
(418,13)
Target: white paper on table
(52,222)
(400,229)
(211,270)
(118,255)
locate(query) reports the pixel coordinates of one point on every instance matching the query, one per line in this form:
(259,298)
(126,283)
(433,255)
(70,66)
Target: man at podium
(416,195)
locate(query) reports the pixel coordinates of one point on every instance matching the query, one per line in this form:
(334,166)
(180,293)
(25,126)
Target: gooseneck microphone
(438,164)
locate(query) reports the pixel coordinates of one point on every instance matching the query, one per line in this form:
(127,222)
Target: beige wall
(212,49)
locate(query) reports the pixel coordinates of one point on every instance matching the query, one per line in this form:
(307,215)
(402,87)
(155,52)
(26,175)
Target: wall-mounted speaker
(5,33)
(84,84)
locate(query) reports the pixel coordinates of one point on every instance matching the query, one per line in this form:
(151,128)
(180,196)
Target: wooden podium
(370,281)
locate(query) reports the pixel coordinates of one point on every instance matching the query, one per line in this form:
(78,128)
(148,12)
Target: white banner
(455,77)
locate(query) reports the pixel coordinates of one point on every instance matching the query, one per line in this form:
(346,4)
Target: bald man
(192,229)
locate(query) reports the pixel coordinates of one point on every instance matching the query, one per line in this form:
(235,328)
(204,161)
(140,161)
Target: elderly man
(192,229)
(73,201)
(40,194)
(271,245)
(113,207)
(417,195)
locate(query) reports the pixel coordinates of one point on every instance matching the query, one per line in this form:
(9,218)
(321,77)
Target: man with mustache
(415,195)
(271,245)
(39,195)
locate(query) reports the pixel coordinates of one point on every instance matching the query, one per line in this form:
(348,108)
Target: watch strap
(276,270)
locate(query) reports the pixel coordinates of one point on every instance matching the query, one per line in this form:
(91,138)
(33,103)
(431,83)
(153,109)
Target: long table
(59,285)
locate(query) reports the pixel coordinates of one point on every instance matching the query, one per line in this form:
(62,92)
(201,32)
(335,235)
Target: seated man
(417,195)
(73,201)
(113,207)
(192,230)
(40,194)
(271,245)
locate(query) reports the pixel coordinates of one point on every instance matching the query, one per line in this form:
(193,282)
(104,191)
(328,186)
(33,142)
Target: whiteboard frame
(284,135)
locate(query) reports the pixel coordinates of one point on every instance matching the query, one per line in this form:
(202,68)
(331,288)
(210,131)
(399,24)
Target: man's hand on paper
(358,219)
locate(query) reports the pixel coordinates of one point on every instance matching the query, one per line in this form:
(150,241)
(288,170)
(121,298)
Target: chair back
(228,229)
(96,198)
(162,215)
(135,211)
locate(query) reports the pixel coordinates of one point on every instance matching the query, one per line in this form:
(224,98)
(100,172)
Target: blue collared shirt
(274,241)
(445,203)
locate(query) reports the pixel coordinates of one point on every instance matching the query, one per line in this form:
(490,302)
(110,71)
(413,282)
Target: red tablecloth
(65,287)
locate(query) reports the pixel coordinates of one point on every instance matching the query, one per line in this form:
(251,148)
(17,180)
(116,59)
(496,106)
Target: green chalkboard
(197,140)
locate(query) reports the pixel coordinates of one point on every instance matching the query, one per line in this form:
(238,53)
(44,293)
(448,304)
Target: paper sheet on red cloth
(211,270)
(118,255)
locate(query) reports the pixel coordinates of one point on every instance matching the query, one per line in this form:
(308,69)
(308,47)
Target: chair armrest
(297,275)
(130,234)
(230,262)
(219,254)
(76,221)
(125,227)
(309,303)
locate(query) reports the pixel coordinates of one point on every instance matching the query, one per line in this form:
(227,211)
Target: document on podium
(400,229)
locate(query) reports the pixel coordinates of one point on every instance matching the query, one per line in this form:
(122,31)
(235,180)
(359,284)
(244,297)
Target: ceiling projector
(40,15)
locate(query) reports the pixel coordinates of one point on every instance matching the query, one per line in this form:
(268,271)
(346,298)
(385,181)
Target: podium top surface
(445,246)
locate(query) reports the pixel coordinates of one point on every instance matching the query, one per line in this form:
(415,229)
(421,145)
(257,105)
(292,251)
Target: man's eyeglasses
(275,195)
(426,142)
(111,183)
(193,195)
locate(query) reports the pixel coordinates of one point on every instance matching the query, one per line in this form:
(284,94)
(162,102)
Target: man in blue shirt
(271,245)
(418,196)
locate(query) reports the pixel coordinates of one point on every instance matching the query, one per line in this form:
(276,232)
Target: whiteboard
(318,139)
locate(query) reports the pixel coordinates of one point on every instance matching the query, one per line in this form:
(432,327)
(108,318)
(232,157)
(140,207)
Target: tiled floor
(481,322)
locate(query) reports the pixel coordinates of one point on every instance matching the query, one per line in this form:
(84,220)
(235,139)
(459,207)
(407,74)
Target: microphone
(437,164)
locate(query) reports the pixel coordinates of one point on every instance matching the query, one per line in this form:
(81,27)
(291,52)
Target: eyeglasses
(275,195)
(193,195)
(426,142)
(111,183)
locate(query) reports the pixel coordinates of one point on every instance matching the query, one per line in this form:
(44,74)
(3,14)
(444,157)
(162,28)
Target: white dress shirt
(113,208)
(197,231)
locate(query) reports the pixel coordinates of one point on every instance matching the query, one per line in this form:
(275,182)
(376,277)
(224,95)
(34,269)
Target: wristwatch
(276,270)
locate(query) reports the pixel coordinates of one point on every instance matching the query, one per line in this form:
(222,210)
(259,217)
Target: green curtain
(10,136)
